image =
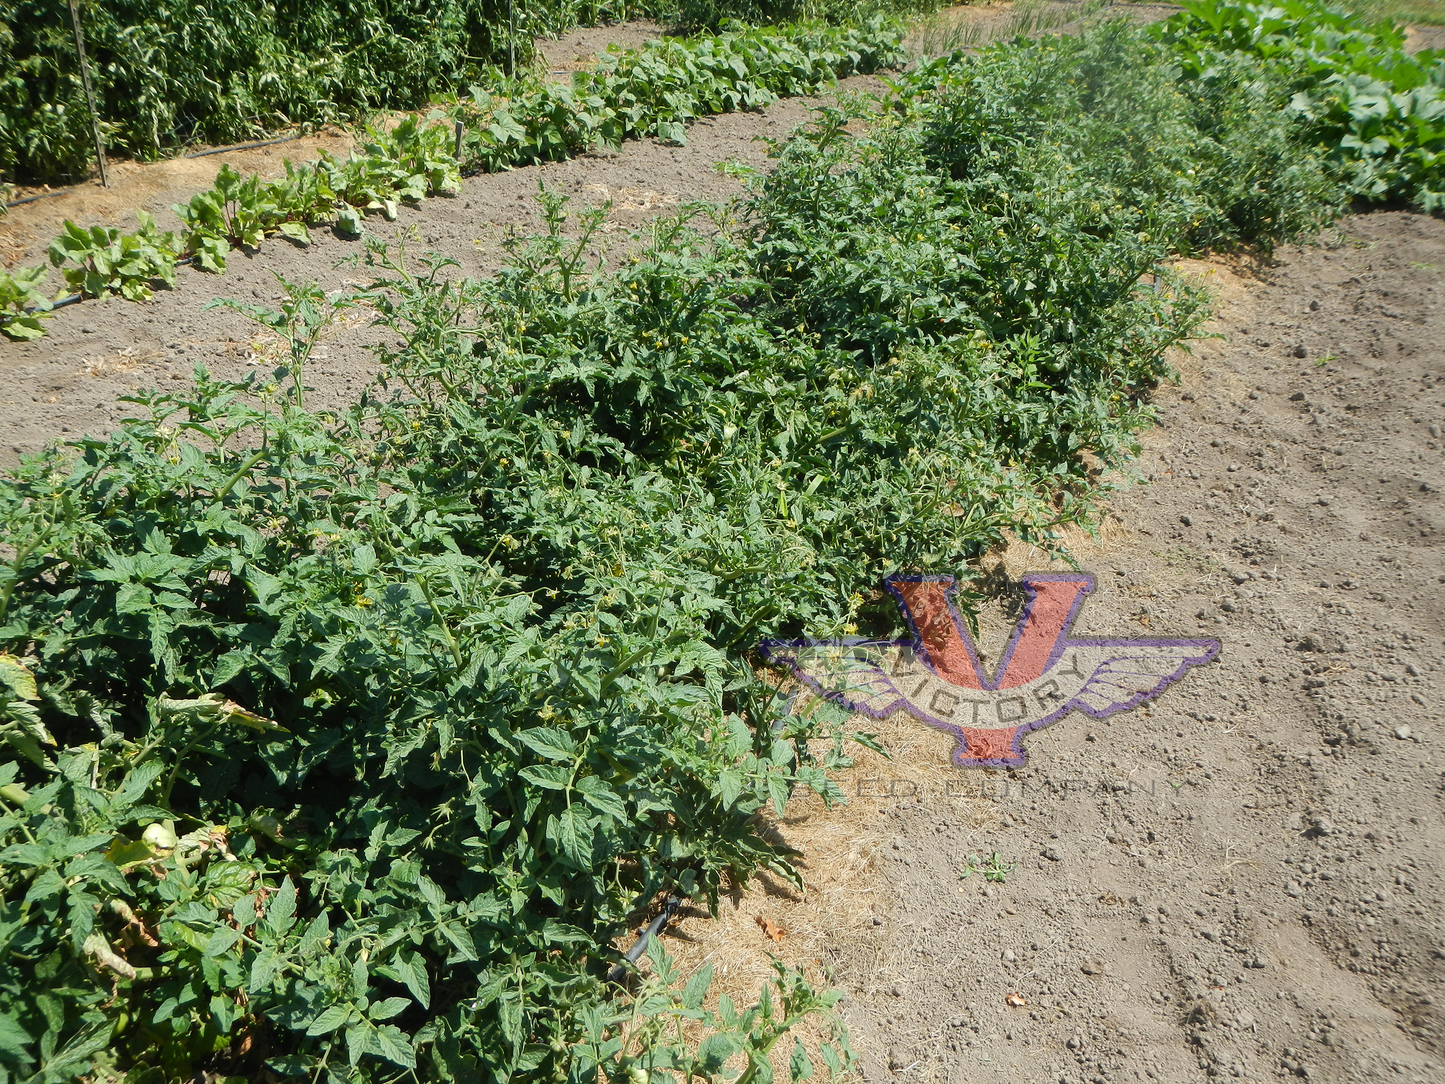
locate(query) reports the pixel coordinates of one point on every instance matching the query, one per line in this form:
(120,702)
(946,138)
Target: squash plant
(108,261)
(23,304)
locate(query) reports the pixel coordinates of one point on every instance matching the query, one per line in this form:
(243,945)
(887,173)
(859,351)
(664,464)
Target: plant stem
(441,621)
(22,825)
(180,759)
(317,1075)
(246,466)
(21,556)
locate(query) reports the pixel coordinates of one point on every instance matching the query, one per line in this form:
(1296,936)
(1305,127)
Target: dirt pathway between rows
(1242,881)
(1245,880)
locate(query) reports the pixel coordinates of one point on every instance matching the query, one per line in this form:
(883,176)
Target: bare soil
(1243,880)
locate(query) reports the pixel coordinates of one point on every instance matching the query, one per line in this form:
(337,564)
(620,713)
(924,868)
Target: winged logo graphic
(937,676)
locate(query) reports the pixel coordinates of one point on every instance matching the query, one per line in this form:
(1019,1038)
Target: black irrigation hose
(654,929)
(246,146)
(42,195)
(32,198)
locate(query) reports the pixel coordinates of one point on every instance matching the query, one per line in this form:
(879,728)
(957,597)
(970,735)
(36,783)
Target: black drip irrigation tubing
(246,146)
(42,195)
(654,929)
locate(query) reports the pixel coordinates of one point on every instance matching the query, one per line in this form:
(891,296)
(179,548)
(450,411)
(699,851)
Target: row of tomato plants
(346,747)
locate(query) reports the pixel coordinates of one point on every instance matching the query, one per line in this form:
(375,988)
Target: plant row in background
(652,91)
(169,72)
(406,164)
(658,89)
(172,72)
(1378,112)
(1345,92)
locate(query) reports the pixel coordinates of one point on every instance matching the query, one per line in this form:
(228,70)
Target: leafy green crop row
(658,89)
(347,747)
(171,72)
(1379,111)
(655,90)
(168,72)
(407,163)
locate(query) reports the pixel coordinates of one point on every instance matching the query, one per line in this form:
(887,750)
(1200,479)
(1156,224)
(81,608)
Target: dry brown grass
(842,886)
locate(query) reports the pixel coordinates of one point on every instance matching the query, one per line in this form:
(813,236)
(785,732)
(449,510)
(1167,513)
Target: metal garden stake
(89,93)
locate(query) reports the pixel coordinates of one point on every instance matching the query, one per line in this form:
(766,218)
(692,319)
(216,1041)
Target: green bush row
(653,91)
(1182,164)
(1342,98)
(1378,111)
(172,72)
(658,89)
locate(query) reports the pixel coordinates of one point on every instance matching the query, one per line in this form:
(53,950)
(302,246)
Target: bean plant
(23,303)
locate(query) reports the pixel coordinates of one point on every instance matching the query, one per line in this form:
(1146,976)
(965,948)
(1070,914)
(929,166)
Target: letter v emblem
(942,638)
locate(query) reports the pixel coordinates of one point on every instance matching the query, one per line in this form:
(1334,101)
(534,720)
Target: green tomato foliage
(172,72)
